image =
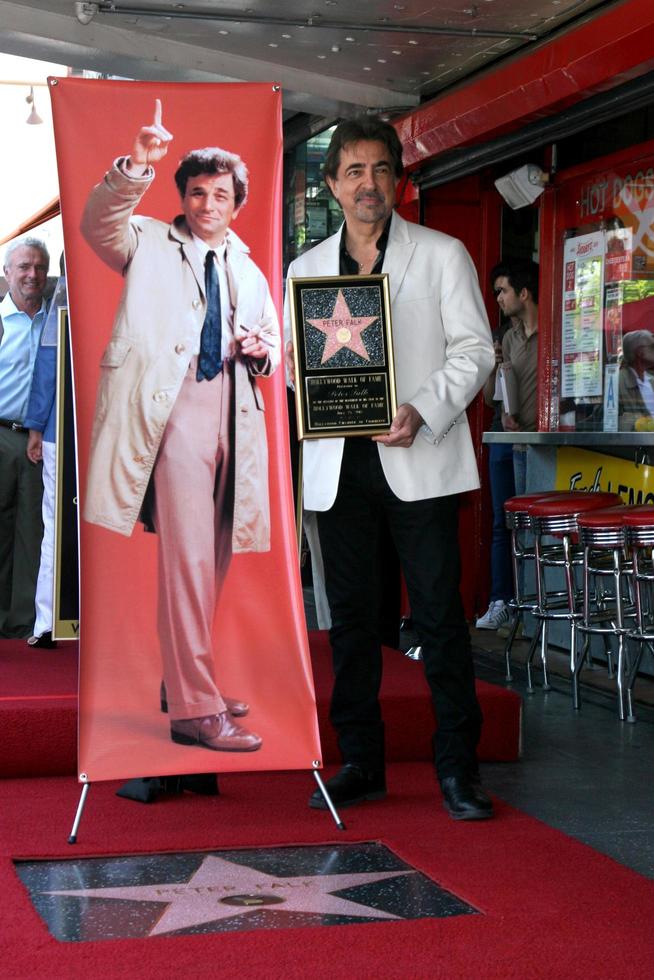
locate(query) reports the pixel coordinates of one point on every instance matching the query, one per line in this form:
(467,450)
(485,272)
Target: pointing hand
(151,143)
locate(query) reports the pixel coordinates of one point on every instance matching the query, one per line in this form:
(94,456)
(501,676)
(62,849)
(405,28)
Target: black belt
(14,426)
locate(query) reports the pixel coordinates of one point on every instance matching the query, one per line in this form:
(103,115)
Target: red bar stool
(639,537)
(602,538)
(556,517)
(516,512)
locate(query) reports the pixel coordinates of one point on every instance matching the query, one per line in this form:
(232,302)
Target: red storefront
(581,108)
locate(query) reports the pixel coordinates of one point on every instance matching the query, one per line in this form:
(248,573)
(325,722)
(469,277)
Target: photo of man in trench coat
(179,437)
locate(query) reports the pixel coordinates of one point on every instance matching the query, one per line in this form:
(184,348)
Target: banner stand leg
(328,800)
(78,816)
(72,839)
(298,523)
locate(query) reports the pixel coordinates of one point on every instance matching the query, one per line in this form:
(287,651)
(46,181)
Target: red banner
(127,307)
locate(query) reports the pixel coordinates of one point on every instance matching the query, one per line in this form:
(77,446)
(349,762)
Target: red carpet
(38,710)
(550,907)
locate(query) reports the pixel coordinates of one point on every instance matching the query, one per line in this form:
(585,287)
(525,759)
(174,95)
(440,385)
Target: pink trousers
(194,505)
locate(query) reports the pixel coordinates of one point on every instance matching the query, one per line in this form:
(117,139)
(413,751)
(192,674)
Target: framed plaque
(66,572)
(344,370)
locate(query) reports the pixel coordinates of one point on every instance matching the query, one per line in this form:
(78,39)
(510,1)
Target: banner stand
(122,579)
(328,800)
(72,838)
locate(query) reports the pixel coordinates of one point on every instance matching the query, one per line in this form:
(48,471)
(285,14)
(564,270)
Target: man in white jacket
(412,475)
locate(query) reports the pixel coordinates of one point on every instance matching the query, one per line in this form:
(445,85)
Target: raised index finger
(157,112)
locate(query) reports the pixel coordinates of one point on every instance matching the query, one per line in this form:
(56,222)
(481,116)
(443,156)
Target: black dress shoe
(464,799)
(150,788)
(481,795)
(349,786)
(44,642)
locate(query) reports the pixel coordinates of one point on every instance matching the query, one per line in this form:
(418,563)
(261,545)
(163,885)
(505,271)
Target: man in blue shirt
(22,314)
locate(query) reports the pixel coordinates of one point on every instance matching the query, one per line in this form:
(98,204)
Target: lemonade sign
(577,469)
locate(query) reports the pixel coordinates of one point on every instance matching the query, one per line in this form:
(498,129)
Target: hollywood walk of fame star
(343,330)
(220,889)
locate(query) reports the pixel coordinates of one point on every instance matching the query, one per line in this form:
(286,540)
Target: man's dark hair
(212,160)
(362,128)
(520,274)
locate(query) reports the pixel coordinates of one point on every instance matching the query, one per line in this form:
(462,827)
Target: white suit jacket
(443,354)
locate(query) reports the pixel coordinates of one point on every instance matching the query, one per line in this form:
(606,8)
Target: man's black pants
(21,533)
(426,537)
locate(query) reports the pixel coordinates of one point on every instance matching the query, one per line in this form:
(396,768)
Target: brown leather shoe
(217,732)
(237,709)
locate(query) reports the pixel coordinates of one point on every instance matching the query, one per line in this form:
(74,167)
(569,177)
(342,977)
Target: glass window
(311,214)
(606,303)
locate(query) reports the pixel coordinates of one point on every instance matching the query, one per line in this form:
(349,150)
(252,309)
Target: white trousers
(45,582)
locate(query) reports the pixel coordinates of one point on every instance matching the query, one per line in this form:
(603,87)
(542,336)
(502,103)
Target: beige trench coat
(155,334)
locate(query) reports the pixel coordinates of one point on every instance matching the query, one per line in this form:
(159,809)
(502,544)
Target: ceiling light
(34,118)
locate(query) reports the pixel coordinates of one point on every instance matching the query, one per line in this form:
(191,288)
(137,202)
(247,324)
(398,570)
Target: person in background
(502,486)
(41,421)
(636,380)
(22,315)
(516,288)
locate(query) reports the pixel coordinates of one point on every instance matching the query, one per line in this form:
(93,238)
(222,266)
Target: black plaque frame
(348,393)
(66,569)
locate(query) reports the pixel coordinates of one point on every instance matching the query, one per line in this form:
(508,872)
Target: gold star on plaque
(343,330)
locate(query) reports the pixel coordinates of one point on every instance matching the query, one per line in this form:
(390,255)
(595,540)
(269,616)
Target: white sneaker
(496,615)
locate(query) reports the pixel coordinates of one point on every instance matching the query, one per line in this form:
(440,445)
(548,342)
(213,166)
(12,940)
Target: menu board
(582,321)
